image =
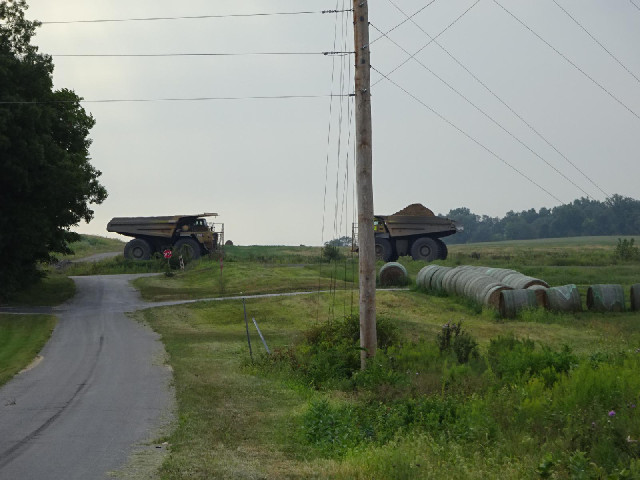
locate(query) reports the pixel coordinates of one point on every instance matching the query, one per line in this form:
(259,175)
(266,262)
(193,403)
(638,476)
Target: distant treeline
(617,215)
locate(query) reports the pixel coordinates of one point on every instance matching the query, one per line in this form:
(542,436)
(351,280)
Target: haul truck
(190,235)
(414,231)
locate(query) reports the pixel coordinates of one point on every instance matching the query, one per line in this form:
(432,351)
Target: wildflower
(612,413)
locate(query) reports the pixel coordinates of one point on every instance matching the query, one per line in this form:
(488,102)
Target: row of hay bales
(510,291)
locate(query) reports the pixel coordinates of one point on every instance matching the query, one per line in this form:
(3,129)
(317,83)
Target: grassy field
(92,244)
(543,396)
(21,338)
(455,392)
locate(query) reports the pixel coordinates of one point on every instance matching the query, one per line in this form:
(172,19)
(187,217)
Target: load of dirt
(416,210)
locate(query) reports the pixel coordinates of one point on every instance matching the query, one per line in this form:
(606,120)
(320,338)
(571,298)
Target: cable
(632,3)
(326,167)
(477,142)
(403,22)
(432,39)
(194,17)
(194,54)
(495,122)
(522,119)
(145,100)
(569,61)
(596,40)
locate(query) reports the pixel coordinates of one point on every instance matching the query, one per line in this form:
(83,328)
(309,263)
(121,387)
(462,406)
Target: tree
(340,242)
(47,182)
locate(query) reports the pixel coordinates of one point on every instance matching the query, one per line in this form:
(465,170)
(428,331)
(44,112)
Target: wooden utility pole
(364,182)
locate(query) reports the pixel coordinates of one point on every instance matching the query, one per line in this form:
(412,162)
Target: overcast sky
(276,169)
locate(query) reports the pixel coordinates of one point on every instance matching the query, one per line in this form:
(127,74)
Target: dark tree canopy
(617,215)
(46,182)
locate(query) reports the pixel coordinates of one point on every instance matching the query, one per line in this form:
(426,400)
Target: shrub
(330,354)
(453,338)
(626,250)
(514,360)
(331,252)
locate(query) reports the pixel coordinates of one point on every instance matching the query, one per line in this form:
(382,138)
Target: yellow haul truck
(190,235)
(414,231)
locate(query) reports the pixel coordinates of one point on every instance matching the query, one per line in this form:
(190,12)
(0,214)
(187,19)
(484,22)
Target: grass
(49,291)
(21,338)
(238,420)
(91,245)
(258,418)
(204,279)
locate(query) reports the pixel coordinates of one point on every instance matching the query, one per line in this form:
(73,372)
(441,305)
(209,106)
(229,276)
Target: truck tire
(444,251)
(425,248)
(188,247)
(137,249)
(384,250)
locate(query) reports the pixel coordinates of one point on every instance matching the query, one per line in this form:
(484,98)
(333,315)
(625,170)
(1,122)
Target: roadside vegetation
(21,339)
(454,392)
(54,287)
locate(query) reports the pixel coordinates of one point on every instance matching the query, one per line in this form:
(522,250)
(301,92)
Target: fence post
(246,324)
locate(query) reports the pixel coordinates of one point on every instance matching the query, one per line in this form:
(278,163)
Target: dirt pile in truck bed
(416,209)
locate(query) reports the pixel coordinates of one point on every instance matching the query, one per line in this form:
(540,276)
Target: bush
(514,360)
(331,252)
(626,250)
(453,338)
(330,355)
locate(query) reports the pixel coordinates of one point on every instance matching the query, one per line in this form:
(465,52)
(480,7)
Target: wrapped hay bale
(514,301)
(393,274)
(605,298)
(564,299)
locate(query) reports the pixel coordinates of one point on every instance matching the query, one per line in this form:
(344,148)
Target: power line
(486,87)
(191,17)
(597,41)
(404,21)
(432,39)
(474,140)
(594,81)
(632,3)
(193,54)
(494,121)
(150,100)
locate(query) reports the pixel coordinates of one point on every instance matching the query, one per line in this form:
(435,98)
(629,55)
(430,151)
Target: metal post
(246,324)
(364,182)
(264,342)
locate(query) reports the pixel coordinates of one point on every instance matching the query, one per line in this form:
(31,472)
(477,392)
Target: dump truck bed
(152,226)
(406,225)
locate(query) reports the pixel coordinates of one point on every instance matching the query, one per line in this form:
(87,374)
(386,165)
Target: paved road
(100,389)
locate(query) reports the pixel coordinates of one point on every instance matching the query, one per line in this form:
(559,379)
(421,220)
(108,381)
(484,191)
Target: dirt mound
(417,210)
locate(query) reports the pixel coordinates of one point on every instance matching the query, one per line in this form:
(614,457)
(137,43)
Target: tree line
(618,215)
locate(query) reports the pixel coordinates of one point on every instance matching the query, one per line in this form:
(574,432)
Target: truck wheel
(188,248)
(384,250)
(425,248)
(444,251)
(137,249)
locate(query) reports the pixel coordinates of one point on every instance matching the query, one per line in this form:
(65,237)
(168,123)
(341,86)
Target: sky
(454,126)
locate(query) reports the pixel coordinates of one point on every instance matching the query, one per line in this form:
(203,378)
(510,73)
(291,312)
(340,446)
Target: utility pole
(364,182)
